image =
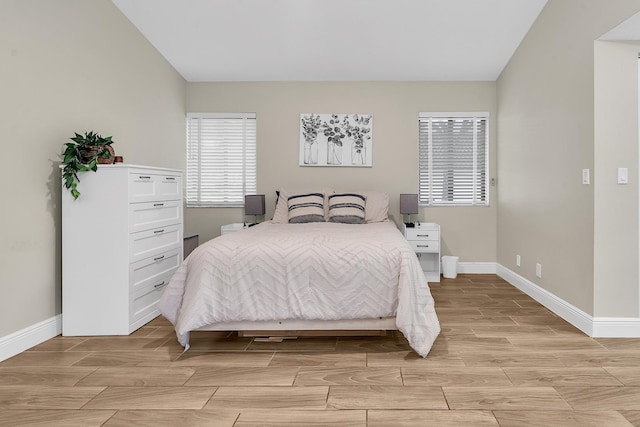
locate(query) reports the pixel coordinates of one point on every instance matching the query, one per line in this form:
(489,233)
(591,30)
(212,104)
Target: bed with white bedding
(327,260)
(283,274)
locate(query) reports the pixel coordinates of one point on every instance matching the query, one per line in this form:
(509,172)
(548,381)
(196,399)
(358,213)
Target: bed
(304,276)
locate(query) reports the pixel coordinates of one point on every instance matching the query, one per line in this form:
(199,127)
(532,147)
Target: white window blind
(221,158)
(454,159)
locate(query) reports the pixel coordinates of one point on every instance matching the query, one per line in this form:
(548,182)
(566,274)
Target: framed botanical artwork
(336,140)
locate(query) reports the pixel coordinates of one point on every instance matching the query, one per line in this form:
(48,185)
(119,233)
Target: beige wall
(546,137)
(466,232)
(616,206)
(69,65)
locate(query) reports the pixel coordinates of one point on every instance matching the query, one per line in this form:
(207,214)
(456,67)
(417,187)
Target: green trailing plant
(83,155)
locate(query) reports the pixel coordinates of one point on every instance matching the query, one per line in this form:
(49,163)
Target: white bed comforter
(315,271)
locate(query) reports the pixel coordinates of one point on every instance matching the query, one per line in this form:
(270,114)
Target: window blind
(454,159)
(221,158)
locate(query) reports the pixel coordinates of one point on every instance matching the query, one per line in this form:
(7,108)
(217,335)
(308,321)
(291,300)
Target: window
(454,159)
(221,159)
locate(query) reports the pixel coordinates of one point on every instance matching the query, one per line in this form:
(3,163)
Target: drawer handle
(159,285)
(170,178)
(158,231)
(423,246)
(157,205)
(423,235)
(159,258)
(144,177)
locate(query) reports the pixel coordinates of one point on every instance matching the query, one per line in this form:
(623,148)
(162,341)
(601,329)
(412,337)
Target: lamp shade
(408,204)
(254,204)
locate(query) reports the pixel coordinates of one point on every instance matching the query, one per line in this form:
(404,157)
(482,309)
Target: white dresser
(121,243)
(425,241)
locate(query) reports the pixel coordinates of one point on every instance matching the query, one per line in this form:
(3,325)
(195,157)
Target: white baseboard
(477,268)
(616,327)
(600,327)
(568,312)
(26,338)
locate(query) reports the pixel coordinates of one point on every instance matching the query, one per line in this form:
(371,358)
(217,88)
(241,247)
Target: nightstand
(425,241)
(230,228)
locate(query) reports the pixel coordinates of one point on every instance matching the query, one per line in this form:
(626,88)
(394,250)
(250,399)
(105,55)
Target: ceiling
(334,40)
(628,30)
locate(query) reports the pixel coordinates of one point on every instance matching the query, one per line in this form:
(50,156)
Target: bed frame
(295,327)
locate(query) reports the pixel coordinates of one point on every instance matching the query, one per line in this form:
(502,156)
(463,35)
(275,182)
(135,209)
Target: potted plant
(82,155)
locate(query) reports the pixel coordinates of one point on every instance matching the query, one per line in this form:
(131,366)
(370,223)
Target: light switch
(623,176)
(585,176)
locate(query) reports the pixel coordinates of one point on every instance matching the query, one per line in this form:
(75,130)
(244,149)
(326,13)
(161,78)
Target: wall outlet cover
(623,175)
(585,176)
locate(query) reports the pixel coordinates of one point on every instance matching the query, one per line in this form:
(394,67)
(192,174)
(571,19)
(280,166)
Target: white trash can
(450,267)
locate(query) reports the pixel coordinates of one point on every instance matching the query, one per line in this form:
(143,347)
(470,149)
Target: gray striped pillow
(347,208)
(306,208)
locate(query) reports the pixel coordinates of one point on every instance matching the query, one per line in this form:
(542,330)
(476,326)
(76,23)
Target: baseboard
(26,338)
(616,327)
(597,327)
(476,268)
(568,312)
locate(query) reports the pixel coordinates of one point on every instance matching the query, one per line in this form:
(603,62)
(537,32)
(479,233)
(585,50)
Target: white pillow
(377,207)
(281,214)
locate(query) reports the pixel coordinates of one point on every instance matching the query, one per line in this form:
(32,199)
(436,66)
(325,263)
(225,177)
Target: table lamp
(254,205)
(409,206)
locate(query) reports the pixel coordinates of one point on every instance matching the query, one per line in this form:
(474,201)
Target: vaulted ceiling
(334,40)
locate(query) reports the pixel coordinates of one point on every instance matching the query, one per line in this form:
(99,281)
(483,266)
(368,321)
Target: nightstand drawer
(423,246)
(418,234)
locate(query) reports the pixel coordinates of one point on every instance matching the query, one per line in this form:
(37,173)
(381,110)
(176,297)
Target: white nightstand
(230,228)
(425,241)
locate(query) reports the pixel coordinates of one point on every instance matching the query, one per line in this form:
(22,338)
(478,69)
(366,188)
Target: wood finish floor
(502,360)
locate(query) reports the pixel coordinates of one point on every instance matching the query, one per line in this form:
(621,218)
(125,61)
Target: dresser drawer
(150,187)
(148,271)
(147,216)
(144,244)
(417,234)
(145,300)
(424,246)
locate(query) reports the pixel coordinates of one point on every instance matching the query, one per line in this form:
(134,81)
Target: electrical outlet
(538,270)
(517,260)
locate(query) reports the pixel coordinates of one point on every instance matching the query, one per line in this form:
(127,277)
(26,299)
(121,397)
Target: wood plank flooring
(502,360)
